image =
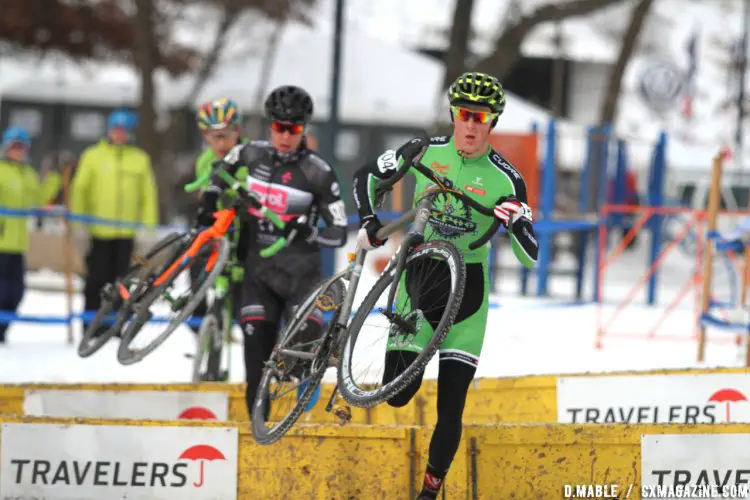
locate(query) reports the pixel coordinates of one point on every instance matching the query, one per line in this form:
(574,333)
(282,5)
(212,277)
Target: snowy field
(525,335)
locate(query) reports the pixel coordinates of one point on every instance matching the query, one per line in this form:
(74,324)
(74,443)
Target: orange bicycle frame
(224,219)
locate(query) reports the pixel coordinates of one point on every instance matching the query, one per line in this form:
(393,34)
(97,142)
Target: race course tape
(540,226)
(685,396)
(547,461)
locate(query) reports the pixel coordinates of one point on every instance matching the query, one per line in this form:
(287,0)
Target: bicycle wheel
(115,310)
(271,417)
(183,305)
(422,278)
(207,360)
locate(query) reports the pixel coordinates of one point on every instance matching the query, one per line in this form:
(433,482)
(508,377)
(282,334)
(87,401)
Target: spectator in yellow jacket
(115,181)
(20,189)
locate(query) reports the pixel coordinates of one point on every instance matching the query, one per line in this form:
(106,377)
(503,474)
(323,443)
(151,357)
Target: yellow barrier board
(494,462)
(531,399)
(315,462)
(538,461)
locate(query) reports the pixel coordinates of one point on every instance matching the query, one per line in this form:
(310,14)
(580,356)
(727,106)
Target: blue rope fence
(195,321)
(543,226)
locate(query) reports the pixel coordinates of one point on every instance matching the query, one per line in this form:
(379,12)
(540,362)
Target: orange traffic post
(714,203)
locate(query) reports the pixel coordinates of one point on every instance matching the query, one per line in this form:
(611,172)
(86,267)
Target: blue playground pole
(605,132)
(657,175)
(620,181)
(525,270)
(601,191)
(547,206)
(583,201)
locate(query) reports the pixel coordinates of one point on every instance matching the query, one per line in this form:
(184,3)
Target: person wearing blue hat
(115,181)
(20,189)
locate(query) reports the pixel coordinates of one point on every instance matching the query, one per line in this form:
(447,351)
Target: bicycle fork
(339,332)
(414,238)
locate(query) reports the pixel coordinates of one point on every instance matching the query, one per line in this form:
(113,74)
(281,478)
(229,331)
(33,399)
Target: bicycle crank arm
(343,413)
(298,354)
(332,399)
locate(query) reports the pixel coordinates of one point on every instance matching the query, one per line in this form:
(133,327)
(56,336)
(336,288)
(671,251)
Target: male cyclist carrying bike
(220,124)
(469,162)
(301,187)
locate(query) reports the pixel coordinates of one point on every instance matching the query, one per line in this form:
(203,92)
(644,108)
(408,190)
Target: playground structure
(717,275)
(714,243)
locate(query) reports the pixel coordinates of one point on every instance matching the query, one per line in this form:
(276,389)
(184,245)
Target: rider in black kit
(301,187)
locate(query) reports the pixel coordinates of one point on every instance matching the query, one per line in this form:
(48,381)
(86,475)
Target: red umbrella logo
(201,452)
(727,396)
(197,413)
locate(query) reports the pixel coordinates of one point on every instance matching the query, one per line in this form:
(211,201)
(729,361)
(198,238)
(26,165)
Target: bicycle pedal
(344,414)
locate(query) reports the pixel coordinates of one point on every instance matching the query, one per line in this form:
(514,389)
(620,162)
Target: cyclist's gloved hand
(205,215)
(368,227)
(414,149)
(298,229)
(510,209)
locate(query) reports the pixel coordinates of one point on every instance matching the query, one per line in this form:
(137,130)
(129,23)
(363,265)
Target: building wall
(587,82)
(73,127)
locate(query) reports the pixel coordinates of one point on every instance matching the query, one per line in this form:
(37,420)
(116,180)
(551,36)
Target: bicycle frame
(224,219)
(419,215)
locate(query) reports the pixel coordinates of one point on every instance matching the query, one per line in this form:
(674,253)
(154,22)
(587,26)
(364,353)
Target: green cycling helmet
(478,88)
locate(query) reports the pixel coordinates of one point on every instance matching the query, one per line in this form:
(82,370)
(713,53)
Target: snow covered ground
(525,335)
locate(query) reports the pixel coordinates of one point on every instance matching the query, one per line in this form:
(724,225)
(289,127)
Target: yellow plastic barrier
(536,461)
(387,462)
(12,395)
(12,401)
(531,399)
(320,462)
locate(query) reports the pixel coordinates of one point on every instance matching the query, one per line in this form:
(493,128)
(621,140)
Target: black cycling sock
(454,379)
(433,481)
(259,339)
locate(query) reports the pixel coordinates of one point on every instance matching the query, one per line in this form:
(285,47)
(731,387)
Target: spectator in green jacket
(20,189)
(115,181)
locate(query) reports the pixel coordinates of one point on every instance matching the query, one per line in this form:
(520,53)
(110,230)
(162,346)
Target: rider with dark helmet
(302,188)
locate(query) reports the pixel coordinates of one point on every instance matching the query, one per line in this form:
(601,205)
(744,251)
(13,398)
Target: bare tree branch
(507,48)
(612,97)
(145,56)
(458,43)
(629,42)
(228,19)
(272,49)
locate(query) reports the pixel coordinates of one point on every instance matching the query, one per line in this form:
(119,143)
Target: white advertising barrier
(155,405)
(93,462)
(680,399)
(695,466)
